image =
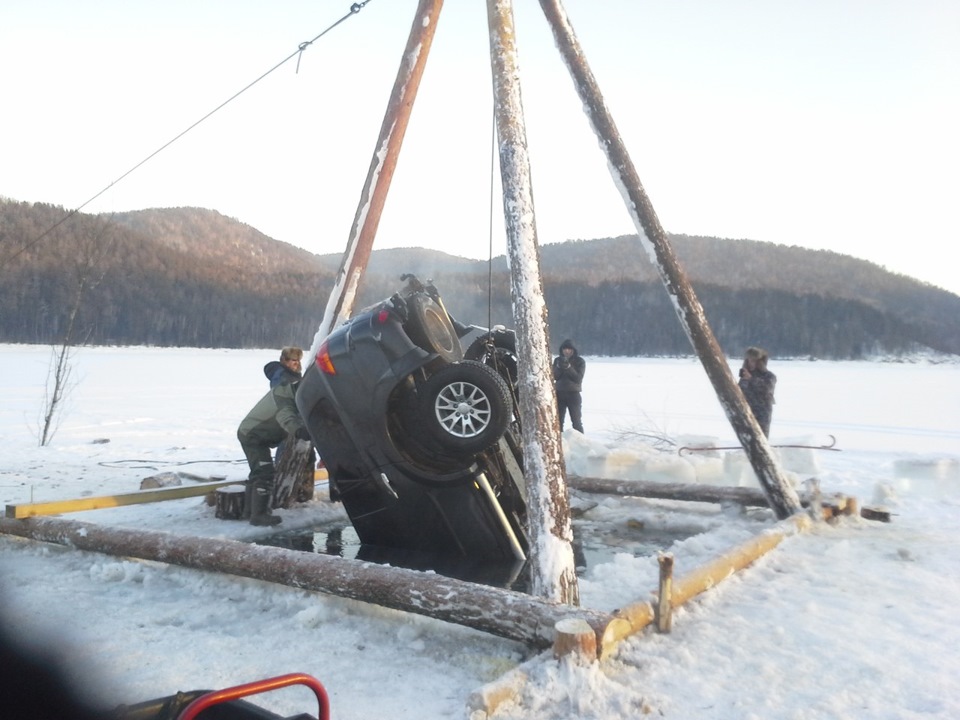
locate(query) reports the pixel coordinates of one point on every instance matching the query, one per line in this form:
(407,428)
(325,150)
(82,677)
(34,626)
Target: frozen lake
(887,406)
(909,407)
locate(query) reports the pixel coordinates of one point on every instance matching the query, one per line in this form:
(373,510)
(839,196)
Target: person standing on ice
(568,371)
(757,384)
(269,422)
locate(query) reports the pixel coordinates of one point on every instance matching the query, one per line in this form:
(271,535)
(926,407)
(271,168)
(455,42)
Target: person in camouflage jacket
(269,422)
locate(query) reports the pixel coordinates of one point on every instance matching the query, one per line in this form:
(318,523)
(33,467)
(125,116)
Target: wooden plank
(57,507)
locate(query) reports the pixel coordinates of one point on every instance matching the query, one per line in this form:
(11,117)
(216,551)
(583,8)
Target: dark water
(594,544)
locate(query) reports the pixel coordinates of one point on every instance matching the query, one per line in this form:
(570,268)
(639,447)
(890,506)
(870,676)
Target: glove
(302,434)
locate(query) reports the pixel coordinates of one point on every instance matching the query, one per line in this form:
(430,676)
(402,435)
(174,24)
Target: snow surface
(855,619)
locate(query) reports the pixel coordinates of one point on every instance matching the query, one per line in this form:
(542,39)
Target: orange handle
(255,688)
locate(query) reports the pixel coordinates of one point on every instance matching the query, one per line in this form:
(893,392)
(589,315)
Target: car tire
(429,327)
(466,407)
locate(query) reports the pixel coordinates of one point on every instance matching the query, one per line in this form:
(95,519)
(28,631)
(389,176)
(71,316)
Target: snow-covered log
(294,476)
(500,612)
(780,494)
(670,491)
(552,565)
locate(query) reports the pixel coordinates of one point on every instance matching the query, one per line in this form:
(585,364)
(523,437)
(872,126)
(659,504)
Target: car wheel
(466,407)
(429,327)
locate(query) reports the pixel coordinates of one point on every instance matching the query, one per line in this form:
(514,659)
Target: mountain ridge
(194,276)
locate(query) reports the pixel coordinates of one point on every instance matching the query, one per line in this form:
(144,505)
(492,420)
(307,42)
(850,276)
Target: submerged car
(414,416)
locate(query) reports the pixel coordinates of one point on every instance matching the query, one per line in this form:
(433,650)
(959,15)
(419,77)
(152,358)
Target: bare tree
(94,243)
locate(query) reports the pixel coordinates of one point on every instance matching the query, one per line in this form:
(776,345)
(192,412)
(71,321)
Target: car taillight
(324,363)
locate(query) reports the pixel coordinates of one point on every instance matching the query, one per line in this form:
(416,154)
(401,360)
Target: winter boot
(260,512)
(260,476)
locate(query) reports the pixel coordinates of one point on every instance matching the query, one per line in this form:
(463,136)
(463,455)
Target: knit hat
(568,343)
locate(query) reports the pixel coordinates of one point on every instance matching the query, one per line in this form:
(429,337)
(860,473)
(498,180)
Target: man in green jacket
(270,422)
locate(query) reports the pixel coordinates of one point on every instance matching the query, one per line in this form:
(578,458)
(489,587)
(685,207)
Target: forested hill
(193,277)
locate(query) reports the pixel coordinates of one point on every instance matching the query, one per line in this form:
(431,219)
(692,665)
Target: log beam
(504,613)
(653,238)
(552,565)
(670,491)
(707,576)
(385,156)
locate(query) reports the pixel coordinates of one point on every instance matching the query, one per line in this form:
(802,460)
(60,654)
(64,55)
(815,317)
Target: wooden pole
(780,495)
(382,166)
(497,611)
(664,593)
(58,507)
(552,565)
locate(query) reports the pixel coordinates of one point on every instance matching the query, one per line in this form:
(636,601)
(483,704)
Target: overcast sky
(825,124)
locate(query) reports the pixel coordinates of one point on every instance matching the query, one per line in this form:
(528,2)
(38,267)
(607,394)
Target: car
(414,415)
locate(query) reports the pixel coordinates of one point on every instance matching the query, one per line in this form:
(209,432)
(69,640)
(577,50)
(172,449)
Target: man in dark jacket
(285,370)
(757,384)
(270,422)
(568,370)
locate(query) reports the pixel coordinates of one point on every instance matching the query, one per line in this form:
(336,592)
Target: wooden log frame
(634,618)
(500,612)
(504,613)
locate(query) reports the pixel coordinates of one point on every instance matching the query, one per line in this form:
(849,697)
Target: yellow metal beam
(57,507)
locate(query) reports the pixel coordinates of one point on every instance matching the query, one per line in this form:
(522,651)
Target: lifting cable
(354,9)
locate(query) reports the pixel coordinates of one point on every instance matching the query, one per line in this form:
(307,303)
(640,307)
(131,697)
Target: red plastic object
(255,688)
